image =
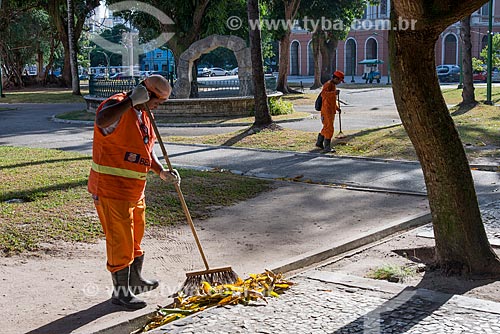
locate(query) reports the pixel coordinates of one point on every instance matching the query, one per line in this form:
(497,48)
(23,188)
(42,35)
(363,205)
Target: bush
(280,107)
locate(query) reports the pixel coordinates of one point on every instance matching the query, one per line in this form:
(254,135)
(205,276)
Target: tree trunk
(39,60)
(468,97)
(75,82)
(50,64)
(316,54)
(461,241)
(58,12)
(262,115)
(327,49)
(291,8)
(284,64)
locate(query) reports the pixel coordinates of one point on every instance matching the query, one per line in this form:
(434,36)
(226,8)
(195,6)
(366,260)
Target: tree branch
(438,13)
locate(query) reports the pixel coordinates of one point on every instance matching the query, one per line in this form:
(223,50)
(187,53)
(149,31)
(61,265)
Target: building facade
(369,40)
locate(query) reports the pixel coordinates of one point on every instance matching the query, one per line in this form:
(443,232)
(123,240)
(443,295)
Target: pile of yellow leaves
(256,287)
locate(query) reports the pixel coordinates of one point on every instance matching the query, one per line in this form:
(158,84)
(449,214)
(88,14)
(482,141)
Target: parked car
(203,72)
(217,71)
(162,73)
(448,73)
(495,75)
(234,71)
(99,76)
(124,76)
(479,76)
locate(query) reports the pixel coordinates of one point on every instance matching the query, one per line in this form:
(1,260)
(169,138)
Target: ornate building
(368,40)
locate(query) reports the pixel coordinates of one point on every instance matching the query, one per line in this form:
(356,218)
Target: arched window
(371,49)
(350,57)
(484,42)
(294,58)
(310,59)
(450,50)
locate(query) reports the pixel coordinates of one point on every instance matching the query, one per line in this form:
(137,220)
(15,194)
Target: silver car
(217,71)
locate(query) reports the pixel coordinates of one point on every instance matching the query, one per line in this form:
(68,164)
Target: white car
(203,72)
(234,71)
(217,71)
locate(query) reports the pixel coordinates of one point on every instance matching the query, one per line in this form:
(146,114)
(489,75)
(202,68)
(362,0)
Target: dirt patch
(411,251)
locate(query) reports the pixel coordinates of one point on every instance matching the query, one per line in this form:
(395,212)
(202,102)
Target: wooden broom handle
(177,187)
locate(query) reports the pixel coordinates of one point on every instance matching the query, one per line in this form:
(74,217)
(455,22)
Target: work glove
(139,95)
(171,176)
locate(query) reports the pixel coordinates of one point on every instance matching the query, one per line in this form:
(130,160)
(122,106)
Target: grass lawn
(454,95)
(44,198)
(56,95)
(478,129)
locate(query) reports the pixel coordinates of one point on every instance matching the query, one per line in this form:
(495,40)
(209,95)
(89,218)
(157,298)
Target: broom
(223,275)
(341,135)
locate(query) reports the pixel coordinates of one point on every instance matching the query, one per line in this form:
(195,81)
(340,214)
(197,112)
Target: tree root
(269,127)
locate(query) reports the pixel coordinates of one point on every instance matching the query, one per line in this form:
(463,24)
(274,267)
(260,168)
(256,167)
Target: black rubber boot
(327,146)
(121,291)
(138,284)
(319,142)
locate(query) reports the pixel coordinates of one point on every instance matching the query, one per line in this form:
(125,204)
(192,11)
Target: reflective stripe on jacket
(121,160)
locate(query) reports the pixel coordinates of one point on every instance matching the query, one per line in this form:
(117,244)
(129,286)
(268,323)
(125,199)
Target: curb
(55,119)
(320,255)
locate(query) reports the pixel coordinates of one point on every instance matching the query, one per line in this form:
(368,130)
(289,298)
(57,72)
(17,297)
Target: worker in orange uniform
(329,108)
(122,155)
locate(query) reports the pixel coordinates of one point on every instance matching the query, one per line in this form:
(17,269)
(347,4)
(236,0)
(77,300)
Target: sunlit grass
(44,198)
(43,96)
(478,129)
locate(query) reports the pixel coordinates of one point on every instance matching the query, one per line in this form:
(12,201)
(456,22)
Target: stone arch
(182,87)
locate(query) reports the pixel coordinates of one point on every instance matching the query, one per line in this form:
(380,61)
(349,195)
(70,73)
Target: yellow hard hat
(158,85)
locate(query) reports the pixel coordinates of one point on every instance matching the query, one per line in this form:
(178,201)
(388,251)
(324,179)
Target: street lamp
(461,80)
(1,82)
(353,63)
(490,53)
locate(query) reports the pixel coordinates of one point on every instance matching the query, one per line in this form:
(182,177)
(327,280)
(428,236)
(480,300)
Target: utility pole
(490,53)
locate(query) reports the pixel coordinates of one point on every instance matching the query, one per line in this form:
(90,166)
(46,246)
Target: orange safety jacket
(122,159)
(328,108)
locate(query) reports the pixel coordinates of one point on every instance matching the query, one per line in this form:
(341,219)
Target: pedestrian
(329,108)
(122,155)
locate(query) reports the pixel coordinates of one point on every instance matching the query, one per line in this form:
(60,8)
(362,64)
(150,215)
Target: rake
(223,275)
(340,135)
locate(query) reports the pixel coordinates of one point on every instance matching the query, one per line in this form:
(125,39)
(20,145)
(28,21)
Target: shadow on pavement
(408,308)
(73,321)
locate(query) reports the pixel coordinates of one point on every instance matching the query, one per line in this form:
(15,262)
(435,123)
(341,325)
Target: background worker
(329,108)
(122,155)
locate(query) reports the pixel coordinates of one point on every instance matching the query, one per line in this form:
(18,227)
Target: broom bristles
(192,285)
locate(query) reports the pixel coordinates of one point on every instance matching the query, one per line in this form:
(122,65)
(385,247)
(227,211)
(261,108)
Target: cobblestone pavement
(325,302)
(316,305)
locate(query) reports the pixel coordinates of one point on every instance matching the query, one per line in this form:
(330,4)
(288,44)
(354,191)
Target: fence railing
(206,88)
(107,87)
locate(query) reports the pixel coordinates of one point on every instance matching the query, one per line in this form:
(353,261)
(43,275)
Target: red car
(479,76)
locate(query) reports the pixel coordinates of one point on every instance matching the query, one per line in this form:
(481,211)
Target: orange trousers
(123,224)
(327,119)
